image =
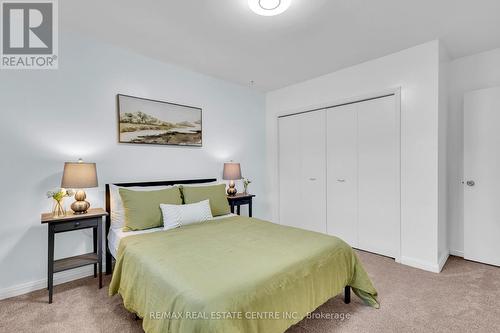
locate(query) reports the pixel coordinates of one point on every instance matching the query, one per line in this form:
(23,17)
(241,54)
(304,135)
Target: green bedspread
(233,275)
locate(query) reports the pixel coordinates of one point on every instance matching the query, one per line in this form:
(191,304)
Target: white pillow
(117,215)
(178,215)
(215,182)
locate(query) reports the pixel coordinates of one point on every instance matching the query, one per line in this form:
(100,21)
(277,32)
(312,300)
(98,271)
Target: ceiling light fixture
(268,7)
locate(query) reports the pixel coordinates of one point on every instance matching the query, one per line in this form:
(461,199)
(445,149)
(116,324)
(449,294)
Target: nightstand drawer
(244,201)
(75,225)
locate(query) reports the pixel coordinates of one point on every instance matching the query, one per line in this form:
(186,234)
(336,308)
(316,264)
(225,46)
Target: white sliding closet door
(302,164)
(289,170)
(313,176)
(378,176)
(342,171)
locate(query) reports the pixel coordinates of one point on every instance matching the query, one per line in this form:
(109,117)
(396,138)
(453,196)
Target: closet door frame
(339,102)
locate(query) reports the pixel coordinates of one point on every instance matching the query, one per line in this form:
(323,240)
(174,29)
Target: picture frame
(148,121)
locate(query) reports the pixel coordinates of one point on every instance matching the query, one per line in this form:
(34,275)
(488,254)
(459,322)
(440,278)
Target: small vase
(245,188)
(58,209)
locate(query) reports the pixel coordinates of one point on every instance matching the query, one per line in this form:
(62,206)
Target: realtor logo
(29,34)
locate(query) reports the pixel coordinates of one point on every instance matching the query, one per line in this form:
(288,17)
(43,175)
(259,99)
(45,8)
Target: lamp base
(80,206)
(231,191)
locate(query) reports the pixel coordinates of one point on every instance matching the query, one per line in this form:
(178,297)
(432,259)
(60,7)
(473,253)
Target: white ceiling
(225,39)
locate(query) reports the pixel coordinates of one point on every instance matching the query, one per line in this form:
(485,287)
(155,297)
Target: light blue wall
(49,117)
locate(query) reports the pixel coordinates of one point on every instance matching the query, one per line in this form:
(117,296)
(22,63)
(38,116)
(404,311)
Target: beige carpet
(465,297)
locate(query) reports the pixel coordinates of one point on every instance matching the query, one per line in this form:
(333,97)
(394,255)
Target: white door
(482,176)
(342,173)
(313,170)
(302,169)
(289,170)
(379,176)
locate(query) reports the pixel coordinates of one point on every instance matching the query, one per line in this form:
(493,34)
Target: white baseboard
(61,277)
(442,260)
(417,263)
(427,266)
(457,253)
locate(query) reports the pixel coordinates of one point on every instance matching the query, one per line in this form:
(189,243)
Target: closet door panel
(289,171)
(378,176)
(313,170)
(342,208)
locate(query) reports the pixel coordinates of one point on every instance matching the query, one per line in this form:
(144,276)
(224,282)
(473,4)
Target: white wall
(49,117)
(478,71)
(443,247)
(416,71)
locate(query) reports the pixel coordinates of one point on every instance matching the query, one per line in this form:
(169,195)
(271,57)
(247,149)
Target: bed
(233,274)
(115,236)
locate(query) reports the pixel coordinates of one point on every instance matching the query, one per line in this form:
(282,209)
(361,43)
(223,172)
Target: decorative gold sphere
(80,196)
(80,206)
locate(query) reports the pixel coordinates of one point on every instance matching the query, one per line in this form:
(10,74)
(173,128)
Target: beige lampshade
(79,175)
(232,171)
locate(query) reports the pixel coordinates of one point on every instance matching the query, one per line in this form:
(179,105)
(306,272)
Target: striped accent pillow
(175,216)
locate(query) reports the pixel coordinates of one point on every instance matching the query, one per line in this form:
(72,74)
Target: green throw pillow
(216,194)
(142,208)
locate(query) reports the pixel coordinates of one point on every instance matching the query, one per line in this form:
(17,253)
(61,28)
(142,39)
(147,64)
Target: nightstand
(71,222)
(240,199)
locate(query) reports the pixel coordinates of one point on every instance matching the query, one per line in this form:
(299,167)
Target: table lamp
(232,172)
(79,175)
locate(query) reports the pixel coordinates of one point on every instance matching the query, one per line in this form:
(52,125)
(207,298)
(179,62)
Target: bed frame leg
(347,295)
(109,262)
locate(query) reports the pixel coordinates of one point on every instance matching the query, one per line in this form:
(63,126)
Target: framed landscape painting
(146,121)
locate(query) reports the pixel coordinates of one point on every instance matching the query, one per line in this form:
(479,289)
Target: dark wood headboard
(142,184)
